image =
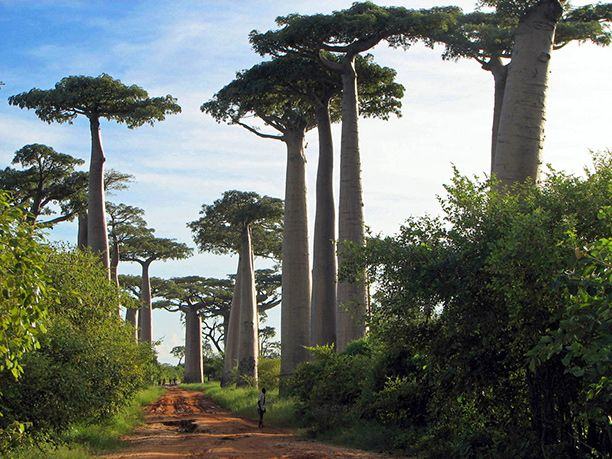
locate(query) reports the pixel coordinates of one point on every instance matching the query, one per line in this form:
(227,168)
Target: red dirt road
(186,424)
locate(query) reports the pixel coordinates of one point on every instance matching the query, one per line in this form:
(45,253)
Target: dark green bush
(88,365)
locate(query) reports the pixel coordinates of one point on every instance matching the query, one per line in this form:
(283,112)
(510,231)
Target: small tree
(46,179)
(145,250)
(124,223)
(179,353)
(250,224)
(96,98)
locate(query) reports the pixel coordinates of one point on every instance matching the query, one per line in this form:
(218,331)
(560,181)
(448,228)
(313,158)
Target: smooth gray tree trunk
(114,268)
(82,234)
(193,347)
(520,138)
(230,357)
(248,350)
(145,312)
(131,317)
(500,73)
(324,265)
(352,296)
(295,306)
(97,237)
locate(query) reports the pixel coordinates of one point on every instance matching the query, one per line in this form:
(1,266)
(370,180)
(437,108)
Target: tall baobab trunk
(500,73)
(230,357)
(193,347)
(323,303)
(352,296)
(295,309)
(248,351)
(145,312)
(97,237)
(521,126)
(131,316)
(82,234)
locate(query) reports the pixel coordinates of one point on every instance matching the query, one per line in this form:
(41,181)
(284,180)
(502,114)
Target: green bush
(490,333)
(268,371)
(88,365)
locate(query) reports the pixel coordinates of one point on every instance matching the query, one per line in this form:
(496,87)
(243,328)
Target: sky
(191,49)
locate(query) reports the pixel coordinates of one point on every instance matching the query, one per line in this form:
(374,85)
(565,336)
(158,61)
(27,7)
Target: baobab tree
(189,295)
(133,284)
(46,184)
(345,34)
(96,98)
(254,92)
(317,89)
(144,250)
(488,39)
(249,224)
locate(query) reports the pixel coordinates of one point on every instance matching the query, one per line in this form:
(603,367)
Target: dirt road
(186,424)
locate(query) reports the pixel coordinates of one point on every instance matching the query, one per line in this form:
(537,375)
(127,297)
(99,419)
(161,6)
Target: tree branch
(256,132)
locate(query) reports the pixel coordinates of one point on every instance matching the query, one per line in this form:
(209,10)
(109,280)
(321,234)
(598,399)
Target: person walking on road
(261,406)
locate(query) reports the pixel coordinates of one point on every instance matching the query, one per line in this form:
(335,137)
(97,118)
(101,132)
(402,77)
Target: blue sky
(190,49)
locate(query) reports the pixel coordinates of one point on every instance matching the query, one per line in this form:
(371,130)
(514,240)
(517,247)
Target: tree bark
(521,126)
(500,73)
(97,237)
(114,268)
(230,356)
(145,312)
(295,306)
(324,268)
(352,296)
(131,316)
(82,235)
(193,347)
(248,351)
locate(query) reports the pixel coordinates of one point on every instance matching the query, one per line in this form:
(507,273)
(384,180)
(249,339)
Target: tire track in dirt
(185,424)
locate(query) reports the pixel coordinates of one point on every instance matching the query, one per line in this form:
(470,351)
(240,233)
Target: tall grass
(82,441)
(242,401)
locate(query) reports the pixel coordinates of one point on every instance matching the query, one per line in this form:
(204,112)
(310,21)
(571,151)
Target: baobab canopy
(96,97)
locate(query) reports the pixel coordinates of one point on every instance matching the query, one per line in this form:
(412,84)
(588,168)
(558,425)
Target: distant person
(261,406)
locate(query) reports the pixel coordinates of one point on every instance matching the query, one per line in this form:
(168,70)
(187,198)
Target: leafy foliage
(47,178)
(219,228)
(24,291)
(88,365)
(490,332)
(96,97)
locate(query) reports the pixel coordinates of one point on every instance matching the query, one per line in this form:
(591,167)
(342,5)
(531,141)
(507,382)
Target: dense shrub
(88,365)
(491,328)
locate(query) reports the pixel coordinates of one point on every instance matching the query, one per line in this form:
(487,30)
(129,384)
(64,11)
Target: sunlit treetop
(148,248)
(96,97)
(47,178)
(353,30)
(220,226)
(285,91)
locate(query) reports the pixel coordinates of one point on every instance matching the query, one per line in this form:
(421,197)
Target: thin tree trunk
(97,237)
(193,347)
(323,303)
(295,306)
(230,356)
(248,351)
(499,72)
(114,268)
(82,235)
(131,316)
(520,137)
(145,311)
(352,296)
